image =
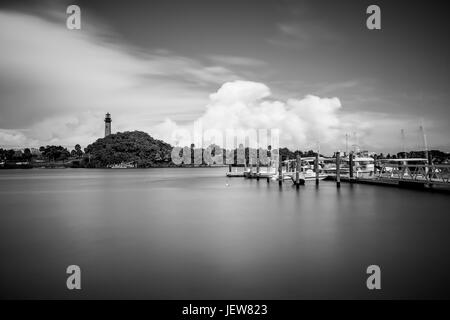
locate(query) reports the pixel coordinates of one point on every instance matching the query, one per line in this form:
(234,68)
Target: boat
(304,176)
(310,175)
(363,167)
(286,176)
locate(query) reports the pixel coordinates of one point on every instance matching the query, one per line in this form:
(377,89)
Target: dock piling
(257,169)
(280,171)
(316,168)
(350,158)
(338,169)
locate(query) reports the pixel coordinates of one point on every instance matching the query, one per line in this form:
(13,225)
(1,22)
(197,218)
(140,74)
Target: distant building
(107,124)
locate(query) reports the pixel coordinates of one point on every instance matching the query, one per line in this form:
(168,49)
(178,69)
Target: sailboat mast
(403,143)
(356,149)
(425,142)
(346,143)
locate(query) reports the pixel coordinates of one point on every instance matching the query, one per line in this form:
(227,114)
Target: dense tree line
(54,153)
(10,158)
(143,151)
(16,156)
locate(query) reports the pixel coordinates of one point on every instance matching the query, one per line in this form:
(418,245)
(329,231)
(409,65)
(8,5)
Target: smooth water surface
(195,234)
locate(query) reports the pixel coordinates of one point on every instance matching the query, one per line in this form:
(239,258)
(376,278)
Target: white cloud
(244,105)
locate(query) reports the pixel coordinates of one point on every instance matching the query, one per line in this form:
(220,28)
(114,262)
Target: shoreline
(105,168)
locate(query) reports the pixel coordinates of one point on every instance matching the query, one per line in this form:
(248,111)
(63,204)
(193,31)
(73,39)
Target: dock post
(257,169)
(338,169)
(350,163)
(297,171)
(280,171)
(316,168)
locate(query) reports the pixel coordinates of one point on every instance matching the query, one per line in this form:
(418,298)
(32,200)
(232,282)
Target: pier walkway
(413,176)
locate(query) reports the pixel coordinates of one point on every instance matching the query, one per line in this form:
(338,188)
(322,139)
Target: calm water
(192,233)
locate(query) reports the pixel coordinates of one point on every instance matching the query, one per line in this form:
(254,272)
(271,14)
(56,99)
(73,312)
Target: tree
(78,151)
(136,147)
(10,154)
(27,154)
(55,153)
(18,155)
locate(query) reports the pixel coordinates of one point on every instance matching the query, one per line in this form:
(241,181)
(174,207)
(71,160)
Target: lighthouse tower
(107,124)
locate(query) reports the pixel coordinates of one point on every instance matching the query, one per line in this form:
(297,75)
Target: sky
(309,68)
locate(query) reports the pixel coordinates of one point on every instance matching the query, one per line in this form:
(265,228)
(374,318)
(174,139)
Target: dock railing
(421,173)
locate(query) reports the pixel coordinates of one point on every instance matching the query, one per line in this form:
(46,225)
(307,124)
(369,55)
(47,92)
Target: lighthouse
(107,124)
